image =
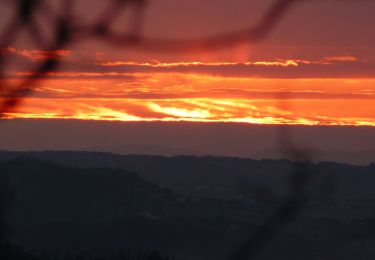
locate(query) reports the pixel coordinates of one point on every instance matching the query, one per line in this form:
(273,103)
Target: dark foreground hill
(55,208)
(99,209)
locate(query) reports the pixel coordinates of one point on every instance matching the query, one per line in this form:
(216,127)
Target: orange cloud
(290,91)
(38,55)
(341,58)
(204,98)
(81,64)
(282,63)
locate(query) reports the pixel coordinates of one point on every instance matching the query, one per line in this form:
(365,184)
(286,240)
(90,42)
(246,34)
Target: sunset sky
(317,67)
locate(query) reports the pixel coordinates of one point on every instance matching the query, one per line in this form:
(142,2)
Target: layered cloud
(332,90)
(204,98)
(81,64)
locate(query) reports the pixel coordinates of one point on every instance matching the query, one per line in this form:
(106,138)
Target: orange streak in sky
(204,98)
(282,63)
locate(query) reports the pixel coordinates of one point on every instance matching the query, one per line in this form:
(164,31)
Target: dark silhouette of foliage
(12,252)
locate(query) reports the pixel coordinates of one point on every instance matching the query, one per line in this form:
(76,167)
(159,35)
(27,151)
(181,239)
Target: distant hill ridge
(216,177)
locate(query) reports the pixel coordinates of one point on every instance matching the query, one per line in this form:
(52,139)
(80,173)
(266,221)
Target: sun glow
(202,98)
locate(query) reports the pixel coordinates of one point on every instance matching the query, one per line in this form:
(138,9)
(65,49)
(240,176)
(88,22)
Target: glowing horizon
(192,97)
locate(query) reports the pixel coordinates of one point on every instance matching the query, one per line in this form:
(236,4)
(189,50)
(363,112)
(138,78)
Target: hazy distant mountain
(342,156)
(144,149)
(176,138)
(350,157)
